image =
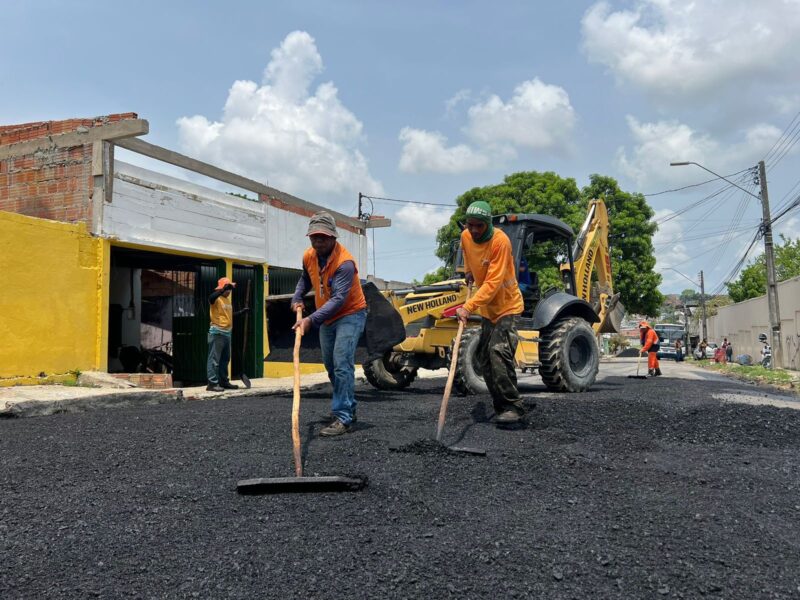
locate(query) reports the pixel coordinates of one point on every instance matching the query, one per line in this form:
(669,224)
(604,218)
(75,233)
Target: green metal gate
(249,292)
(190,322)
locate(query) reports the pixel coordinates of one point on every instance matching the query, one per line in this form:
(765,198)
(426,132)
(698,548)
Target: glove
(470,278)
(228,287)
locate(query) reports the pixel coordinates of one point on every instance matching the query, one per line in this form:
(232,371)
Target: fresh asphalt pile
(638,489)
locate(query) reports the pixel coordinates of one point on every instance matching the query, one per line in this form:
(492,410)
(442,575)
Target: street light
(766,230)
(681,274)
(685,163)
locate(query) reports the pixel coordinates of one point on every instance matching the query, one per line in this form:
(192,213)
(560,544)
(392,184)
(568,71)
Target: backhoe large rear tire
(569,355)
(383,375)
(469,379)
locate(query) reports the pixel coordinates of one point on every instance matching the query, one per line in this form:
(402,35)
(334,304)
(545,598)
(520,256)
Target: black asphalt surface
(638,489)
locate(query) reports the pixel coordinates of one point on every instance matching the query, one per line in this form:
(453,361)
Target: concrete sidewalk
(41,400)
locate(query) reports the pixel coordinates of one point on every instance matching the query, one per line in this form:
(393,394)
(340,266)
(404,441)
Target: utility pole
(703,306)
(772,287)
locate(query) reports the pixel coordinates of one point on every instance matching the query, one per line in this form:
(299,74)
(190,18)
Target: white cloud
(538,116)
(657,144)
(421,220)
(685,47)
(428,151)
(282,133)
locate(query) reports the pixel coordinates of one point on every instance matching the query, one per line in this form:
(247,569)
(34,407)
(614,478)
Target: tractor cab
(535,238)
(539,237)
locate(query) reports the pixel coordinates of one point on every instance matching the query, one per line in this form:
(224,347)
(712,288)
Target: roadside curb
(127,399)
(41,408)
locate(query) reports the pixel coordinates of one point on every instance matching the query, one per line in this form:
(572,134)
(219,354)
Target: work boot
(214,387)
(332,417)
(657,372)
(229,386)
(510,416)
(334,429)
(651,372)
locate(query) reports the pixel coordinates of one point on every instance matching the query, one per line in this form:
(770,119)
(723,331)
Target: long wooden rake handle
(450,377)
(298,335)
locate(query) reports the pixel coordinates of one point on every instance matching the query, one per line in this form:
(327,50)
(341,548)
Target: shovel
(448,388)
(299,484)
(638,362)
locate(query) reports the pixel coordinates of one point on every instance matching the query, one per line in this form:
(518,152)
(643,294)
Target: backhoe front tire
(569,355)
(385,376)
(468,378)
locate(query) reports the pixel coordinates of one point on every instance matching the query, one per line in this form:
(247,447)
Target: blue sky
(425,100)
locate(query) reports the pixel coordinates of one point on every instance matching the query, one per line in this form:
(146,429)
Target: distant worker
(340,315)
(489,264)
(701,353)
(650,346)
(219,336)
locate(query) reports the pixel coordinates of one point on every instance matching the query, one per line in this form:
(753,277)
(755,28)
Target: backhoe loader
(407,330)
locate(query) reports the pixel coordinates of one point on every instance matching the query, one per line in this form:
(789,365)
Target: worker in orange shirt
(650,345)
(489,264)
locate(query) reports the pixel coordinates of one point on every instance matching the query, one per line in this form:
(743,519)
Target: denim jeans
(219,355)
(338,342)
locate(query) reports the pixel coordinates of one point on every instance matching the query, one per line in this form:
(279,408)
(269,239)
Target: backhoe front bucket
(613,318)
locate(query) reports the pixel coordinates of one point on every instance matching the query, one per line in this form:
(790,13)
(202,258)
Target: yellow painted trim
(103,292)
(265,348)
(286,369)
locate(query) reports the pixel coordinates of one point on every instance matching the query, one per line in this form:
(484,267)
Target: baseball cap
(322,223)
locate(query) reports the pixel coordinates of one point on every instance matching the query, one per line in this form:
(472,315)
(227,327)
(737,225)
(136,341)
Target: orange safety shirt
(492,266)
(322,279)
(650,340)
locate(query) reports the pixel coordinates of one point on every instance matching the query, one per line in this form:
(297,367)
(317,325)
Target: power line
(692,185)
(400,201)
(780,139)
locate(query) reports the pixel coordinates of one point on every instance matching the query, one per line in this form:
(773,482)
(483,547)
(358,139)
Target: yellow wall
(52,310)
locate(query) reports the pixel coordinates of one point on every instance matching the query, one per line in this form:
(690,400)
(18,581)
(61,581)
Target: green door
(190,322)
(248,328)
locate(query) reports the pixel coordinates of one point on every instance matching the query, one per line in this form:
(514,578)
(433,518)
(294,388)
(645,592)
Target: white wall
(742,322)
(286,240)
(152,209)
(157,210)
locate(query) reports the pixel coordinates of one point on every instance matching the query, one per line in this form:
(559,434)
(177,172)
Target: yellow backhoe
(406,329)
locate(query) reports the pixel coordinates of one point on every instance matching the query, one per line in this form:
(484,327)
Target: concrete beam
(83,135)
(198,166)
(375,223)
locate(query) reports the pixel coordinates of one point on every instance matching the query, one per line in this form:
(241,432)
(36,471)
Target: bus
(667,334)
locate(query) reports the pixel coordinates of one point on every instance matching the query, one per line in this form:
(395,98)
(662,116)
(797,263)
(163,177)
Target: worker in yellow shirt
(219,336)
(489,263)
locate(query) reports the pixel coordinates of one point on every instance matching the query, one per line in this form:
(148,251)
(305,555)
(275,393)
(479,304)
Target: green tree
(632,258)
(752,281)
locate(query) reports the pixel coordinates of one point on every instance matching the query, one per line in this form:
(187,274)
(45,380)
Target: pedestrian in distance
(678,350)
(728,347)
(340,314)
(219,336)
(701,350)
(489,264)
(650,346)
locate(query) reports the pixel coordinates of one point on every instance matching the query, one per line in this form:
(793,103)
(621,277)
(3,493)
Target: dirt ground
(637,489)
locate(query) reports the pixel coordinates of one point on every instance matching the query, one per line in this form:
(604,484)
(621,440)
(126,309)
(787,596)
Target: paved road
(638,489)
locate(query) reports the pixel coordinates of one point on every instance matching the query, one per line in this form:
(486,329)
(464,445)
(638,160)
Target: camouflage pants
(496,348)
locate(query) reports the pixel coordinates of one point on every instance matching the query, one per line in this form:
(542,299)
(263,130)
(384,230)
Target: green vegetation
(631,229)
(617,343)
(756,374)
(752,281)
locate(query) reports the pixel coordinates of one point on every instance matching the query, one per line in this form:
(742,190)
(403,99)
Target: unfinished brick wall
(52,183)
